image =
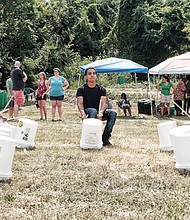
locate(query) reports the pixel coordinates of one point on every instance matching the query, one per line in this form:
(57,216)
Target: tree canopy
(67,33)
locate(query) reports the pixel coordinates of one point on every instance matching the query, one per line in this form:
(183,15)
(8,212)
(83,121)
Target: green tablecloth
(3,99)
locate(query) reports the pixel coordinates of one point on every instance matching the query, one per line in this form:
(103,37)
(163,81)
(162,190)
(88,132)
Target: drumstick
(99,106)
(181,109)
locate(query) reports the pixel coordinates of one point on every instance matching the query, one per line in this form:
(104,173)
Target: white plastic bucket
(4,134)
(182,151)
(26,132)
(13,129)
(7,149)
(163,132)
(5,130)
(178,130)
(91,134)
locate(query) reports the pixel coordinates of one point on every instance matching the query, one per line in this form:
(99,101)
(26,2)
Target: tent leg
(148,92)
(79,81)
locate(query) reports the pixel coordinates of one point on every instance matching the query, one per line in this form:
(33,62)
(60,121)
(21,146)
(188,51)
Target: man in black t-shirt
(91,101)
(18,78)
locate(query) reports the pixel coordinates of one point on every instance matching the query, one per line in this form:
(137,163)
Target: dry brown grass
(132,179)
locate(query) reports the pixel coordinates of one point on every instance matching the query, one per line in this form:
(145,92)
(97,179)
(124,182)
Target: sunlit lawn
(133,179)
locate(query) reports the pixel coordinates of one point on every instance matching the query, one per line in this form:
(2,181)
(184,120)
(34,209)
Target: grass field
(133,179)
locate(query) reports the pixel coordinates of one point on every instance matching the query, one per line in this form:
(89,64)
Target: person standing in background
(165,87)
(41,99)
(9,86)
(187,96)
(56,86)
(18,78)
(179,93)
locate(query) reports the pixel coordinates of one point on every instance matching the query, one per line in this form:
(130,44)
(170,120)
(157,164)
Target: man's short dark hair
(86,70)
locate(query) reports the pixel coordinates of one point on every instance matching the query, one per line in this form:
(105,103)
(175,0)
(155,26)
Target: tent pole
(148,82)
(79,80)
(151,108)
(77,87)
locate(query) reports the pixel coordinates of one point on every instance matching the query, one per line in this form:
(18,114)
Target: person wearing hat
(91,101)
(56,86)
(18,77)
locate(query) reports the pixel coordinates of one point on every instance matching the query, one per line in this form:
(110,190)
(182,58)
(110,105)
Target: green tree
(149,32)
(17,34)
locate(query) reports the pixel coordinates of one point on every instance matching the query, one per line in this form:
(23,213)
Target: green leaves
(152,32)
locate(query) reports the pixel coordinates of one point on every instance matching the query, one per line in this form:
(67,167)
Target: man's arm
(25,78)
(8,91)
(102,107)
(81,107)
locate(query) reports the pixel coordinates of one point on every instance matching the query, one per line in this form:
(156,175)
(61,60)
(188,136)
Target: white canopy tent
(175,65)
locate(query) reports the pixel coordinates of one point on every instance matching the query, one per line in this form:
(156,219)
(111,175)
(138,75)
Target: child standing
(41,97)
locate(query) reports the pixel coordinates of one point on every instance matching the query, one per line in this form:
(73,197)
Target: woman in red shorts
(40,97)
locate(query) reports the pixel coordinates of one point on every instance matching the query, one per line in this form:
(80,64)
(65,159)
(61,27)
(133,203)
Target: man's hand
(83,115)
(99,115)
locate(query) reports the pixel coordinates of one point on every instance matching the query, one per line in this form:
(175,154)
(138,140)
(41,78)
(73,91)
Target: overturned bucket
(91,134)
(182,151)
(26,133)
(7,149)
(163,132)
(4,131)
(178,130)
(6,126)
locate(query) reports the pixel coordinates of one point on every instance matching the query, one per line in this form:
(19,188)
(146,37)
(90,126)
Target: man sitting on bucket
(91,101)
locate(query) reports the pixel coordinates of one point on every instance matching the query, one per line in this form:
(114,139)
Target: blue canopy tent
(115,65)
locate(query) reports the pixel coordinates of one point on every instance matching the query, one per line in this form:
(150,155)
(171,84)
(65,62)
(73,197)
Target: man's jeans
(109,115)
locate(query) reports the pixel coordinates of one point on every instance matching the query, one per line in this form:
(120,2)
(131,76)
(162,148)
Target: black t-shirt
(17,75)
(91,96)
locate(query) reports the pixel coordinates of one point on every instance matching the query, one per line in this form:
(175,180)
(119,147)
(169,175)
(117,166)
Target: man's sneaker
(107,143)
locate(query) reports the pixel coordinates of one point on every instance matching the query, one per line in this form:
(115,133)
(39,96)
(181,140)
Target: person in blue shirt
(56,86)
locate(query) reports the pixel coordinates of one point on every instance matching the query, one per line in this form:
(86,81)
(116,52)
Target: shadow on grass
(6,181)
(130,117)
(184,172)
